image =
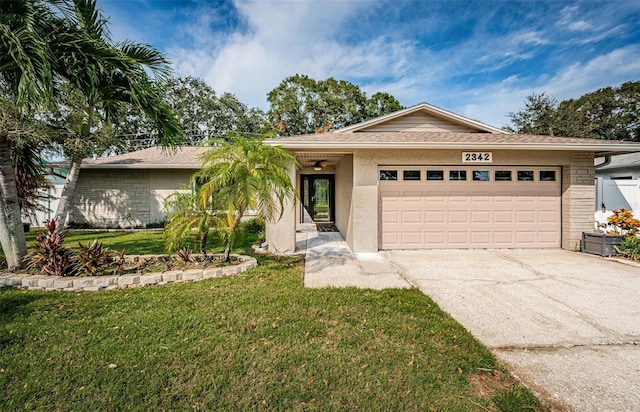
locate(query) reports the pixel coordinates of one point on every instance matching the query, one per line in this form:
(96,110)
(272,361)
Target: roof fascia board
(138,166)
(600,148)
(422,107)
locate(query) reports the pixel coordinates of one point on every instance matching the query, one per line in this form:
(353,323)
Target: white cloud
(492,102)
(281,39)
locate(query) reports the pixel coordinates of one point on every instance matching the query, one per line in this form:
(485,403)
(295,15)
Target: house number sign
(476,157)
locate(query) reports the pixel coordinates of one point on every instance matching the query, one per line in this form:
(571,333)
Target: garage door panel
(503,216)
(525,216)
(412,239)
(434,238)
(480,238)
(411,196)
(411,216)
(548,216)
(457,216)
(468,214)
(481,216)
(503,238)
(526,237)
(457,239)
(550,237)
(435,217)
(391,216)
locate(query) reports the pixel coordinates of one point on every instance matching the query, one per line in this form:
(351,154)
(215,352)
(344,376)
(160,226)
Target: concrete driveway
(566,323)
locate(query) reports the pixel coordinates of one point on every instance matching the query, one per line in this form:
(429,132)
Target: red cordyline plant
(94,259)
(624,222)
(51,256)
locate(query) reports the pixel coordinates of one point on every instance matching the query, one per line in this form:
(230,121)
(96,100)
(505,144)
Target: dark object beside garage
(601,244)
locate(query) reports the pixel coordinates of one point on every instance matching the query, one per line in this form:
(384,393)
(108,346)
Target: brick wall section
(578,199)
(111,198)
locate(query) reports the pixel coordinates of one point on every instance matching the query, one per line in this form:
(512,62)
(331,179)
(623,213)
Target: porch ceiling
(308,159)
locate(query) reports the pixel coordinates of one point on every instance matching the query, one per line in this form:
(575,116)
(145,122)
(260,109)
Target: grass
(256,341)
(138,242)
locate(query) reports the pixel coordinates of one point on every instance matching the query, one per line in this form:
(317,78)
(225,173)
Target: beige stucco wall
(344,195)
(123,198)
(281,234)
(163,183)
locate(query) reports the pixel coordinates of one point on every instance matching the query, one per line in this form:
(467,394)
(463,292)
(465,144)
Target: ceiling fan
(318,165)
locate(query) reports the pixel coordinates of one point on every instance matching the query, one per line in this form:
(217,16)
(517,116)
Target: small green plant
(93,259)
(50,255)
(630,247)
(516,399)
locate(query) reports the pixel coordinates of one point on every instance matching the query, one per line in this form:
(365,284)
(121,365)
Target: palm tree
(26,29)
(241,175)
(188,215)
(38,45)
(109,76)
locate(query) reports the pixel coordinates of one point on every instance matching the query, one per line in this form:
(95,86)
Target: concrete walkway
(567,324)
(330,263)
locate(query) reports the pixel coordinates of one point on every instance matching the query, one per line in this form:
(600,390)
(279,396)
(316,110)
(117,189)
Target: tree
(239,175)
(381,103)
(537,117)
(300,105)
(27,29)
(202,115)
(187,214)
(611,113)
(109,76)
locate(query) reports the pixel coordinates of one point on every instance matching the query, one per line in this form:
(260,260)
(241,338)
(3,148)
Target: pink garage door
(430,207)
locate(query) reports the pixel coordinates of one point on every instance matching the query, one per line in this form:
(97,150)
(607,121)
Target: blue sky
(476,58)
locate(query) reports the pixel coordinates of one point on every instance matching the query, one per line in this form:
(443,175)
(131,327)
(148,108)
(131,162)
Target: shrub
(630,247)
(94,259)
(184,255)
(624,222)
(119,263)
(51,256)
(253,226)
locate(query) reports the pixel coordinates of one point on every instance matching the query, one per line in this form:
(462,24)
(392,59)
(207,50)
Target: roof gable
(422,117)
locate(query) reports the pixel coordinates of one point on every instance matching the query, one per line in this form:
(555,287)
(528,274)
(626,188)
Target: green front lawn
(259,340)
(138,242)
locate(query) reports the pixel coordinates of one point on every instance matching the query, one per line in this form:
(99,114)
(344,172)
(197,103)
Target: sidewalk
(330,263)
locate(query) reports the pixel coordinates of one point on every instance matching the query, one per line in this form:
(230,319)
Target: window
(481,175)
(502,175)
(525,175)
(547,176)
(435,175)
(388,175)
(457,175)
(411,175)
(621,178)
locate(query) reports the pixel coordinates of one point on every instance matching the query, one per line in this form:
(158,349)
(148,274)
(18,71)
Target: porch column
(281,234)
(365,203)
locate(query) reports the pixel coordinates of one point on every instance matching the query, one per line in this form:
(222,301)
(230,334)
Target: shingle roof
(448,140)
(621,162)
(186,157)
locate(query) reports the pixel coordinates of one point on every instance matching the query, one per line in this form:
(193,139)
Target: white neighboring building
(51,197)
(617,185)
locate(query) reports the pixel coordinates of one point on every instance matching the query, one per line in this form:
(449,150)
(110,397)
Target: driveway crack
(556,348)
